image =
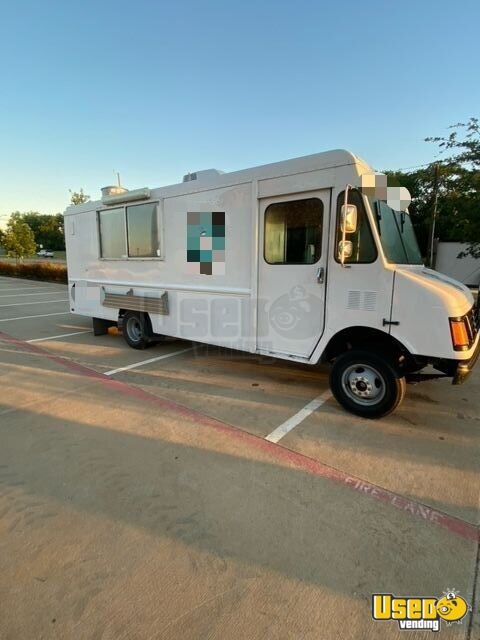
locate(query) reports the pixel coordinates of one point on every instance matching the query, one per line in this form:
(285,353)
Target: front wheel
(366,384)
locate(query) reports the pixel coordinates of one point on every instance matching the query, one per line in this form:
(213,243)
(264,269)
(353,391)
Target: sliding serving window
(129,232)
(142,231)
(111,223)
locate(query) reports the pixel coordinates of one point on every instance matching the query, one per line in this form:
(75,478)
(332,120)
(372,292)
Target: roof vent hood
(113,190)
(115,194)
(205,174)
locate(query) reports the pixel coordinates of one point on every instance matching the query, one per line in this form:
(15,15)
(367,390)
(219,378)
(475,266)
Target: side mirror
(348,217)
(345,250)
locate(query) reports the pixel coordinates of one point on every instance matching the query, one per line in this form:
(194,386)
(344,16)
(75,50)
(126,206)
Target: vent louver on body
(369,300)
(353,300)
(362,300)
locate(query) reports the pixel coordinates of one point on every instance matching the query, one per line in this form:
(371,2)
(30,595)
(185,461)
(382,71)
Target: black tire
(137,329)
(366,384)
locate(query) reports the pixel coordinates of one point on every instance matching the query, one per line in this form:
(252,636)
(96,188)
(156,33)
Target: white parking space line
(281,431)
(63,335)
(140,364)
(42,315)
(20,288)
(39,293)
(24,304)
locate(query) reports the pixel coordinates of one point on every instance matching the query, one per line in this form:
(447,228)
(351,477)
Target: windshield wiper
(400,234)
(378,216)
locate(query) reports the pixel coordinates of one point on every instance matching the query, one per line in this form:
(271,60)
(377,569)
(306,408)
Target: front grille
(472,323)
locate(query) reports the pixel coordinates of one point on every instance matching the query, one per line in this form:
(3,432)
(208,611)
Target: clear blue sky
(154,89)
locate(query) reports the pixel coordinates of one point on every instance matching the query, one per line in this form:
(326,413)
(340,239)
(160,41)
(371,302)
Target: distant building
(466,270)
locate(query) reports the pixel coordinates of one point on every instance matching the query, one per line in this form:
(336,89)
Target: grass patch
(47,271)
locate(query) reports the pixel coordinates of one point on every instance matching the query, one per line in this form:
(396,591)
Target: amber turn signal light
(459,332)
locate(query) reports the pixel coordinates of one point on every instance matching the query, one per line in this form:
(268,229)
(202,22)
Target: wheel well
(367,337)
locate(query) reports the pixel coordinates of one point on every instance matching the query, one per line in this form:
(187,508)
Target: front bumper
(464,368)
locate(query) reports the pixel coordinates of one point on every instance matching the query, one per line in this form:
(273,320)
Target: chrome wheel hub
(363,384)
(134,329)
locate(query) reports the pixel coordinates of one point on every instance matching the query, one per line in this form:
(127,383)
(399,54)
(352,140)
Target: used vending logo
(420,613)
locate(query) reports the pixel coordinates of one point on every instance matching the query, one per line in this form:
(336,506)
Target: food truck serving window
(129,232)
(293,232)
(142,230)
(111,225)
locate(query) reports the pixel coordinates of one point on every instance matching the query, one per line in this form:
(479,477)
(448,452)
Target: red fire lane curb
(300,461)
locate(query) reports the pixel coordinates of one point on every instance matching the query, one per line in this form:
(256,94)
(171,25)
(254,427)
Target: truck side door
(293,243)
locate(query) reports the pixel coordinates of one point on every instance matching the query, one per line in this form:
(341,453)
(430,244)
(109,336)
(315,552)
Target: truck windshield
(397,234)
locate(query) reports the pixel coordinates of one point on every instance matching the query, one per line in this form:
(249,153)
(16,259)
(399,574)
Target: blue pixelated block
(218,230)
(206,230)
(193,230)
(218,243)
(206,218)
(193,243)
(205,256)
(193,256)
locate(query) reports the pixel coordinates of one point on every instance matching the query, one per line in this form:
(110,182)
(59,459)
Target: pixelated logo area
(290,315)
(375,185)
(206,243)
(413,613)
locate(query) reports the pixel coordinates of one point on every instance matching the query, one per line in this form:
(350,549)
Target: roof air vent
(113,190)
(204,175)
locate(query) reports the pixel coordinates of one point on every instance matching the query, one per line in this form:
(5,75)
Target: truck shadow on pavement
(102,493)
(223,502)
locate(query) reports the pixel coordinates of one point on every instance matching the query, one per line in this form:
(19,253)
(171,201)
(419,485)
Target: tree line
(26,232)
(453,180)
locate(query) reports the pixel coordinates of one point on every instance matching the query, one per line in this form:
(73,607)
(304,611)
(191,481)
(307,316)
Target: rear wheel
(137,329)
(366,384)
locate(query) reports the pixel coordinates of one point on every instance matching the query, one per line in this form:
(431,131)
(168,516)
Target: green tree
(458,188)
(51,233)
(18,239)
(459,185)
(78,197)
(47,229)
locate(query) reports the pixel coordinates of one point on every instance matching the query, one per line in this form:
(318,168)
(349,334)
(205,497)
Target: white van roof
(211,178)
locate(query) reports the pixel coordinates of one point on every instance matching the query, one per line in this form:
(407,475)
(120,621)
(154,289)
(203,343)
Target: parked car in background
(44,253)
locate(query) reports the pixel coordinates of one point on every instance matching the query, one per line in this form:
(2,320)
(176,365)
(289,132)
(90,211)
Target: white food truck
(293,260)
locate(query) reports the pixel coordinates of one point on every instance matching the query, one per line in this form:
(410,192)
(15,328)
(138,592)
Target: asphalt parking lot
(187,491)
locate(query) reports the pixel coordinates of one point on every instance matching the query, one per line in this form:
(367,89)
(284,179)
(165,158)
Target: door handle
(320,275)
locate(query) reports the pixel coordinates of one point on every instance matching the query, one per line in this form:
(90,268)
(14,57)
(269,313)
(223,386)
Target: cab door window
(293,232)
